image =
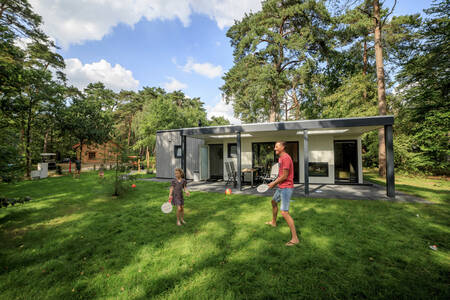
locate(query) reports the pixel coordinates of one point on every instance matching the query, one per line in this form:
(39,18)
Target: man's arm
(280,179)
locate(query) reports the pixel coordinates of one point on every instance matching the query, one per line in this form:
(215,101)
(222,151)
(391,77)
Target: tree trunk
(81,152)
(365,69)
(365,57)
(274,105)
(286,109)
(28,142)
(380,85)
(147,156)
(272,115)
(129,130)
(45,142)
(27,149)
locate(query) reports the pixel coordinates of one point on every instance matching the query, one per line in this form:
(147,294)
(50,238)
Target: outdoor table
(251,171)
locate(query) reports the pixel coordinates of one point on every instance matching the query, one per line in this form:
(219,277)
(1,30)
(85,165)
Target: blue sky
(175,44)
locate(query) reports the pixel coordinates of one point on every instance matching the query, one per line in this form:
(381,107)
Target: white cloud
(76,21)
(115,78)
(174,85)
(221,109)
(206,69)
(22,42)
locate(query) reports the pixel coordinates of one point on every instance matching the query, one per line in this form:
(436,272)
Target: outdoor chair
(272,175)
(231,176)
(233,169)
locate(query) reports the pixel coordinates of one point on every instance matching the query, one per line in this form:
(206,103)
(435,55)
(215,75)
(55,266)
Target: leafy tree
(351,87)
(11,163)
(27,83)
(373,9)
(424,88)
(86,119)
(167,111)
(271,49)
(218,121)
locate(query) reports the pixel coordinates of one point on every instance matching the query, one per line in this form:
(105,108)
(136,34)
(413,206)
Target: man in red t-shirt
(285,182)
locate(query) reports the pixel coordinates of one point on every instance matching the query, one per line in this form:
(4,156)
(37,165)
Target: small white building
(327,150)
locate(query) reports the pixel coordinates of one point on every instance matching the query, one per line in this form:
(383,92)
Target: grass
(75,241)
(434,190)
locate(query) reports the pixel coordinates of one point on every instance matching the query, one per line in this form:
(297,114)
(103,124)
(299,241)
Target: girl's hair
(181,172)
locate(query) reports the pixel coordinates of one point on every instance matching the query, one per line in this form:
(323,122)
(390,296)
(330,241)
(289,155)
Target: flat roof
(289,125)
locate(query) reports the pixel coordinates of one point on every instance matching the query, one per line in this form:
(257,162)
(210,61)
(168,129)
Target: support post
(239,169)
(183,154)
(389,144)
(306,160)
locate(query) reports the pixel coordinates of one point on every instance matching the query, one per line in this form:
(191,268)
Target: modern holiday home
(326,151)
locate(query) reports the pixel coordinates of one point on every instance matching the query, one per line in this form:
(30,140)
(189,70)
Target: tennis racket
(262,188)
(166,207)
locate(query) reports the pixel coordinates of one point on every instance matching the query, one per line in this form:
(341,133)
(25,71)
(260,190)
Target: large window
(91,155)
(232,150)
(263,155)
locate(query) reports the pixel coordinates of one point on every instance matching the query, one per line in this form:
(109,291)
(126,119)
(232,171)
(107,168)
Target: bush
(11,163)
(5,202)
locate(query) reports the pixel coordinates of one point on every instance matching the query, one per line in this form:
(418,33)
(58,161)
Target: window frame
(229,154)
(175,151)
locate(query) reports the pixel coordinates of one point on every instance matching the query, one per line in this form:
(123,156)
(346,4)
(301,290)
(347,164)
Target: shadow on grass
(349,249)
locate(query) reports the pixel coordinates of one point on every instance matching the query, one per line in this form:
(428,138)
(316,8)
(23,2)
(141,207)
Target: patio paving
(368,191)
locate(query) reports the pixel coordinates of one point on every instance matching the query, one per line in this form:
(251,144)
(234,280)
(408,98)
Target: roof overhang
(326,126)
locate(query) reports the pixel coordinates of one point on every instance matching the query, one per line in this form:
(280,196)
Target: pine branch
(392,10)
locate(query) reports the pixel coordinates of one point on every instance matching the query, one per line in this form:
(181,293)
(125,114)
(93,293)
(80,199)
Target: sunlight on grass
(434,190)
(99,247)
(54,222)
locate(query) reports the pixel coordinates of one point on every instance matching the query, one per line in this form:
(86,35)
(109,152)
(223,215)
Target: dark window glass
(232,150)
(263,156)
(177,151)
(91,155)
(318,169)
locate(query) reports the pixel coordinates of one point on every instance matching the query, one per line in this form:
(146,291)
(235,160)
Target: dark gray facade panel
(192,156)
(165,156)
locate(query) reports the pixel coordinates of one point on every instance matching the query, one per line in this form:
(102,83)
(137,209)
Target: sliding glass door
(264,156)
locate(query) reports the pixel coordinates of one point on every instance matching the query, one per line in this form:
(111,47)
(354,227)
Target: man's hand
(187,193)
(170,199)
(271,185)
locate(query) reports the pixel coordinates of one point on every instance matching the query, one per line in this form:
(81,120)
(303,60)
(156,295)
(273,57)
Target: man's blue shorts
(283,195)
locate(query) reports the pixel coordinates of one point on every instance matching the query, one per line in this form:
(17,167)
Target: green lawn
(434,190)
(73,240)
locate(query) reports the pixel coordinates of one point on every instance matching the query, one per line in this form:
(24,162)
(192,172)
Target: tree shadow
(226,251)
